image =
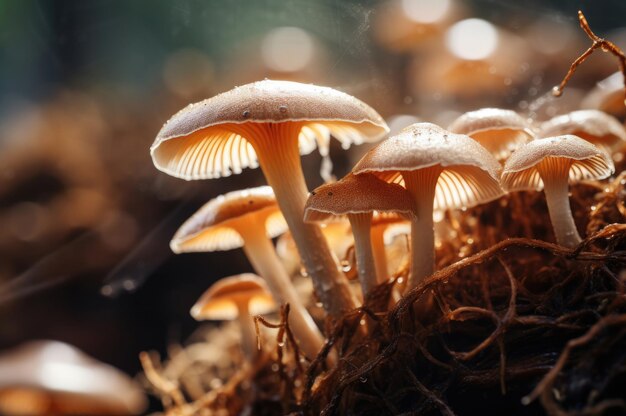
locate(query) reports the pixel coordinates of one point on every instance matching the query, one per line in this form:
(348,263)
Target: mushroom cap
(213,227)
(356,194)
(499,131)
(70,378)
(469,172)
(196,143)
(220,301)
(594,126)
(588,162)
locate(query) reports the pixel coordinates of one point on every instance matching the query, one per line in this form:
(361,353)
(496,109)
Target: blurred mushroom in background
(51,377)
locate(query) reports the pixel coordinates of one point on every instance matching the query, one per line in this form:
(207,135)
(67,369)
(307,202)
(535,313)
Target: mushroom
(52,377)
(249,219)
(272,122)
(358,197)
(551,163)
(380,225)
(441,170)
(597,127)
(497,130)
(237,297)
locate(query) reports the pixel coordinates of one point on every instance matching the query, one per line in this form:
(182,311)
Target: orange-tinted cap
(221,300)
(213,227)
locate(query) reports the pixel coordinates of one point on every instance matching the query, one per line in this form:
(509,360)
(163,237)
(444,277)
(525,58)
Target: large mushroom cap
(499,131)
(587,162)
(356,194)
(211,227)
(72,381)
(594,126)
(220,301)
(469,172)
(197,143)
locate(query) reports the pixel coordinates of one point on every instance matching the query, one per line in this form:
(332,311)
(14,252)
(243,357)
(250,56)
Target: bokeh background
(85,85)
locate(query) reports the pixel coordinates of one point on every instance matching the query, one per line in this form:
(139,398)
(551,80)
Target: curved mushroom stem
(262,255)
(377,234)
(421,184)
(555,174)
(361,224)
(248,331)
(276,146)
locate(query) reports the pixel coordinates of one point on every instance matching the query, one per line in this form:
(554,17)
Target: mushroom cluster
(409,179)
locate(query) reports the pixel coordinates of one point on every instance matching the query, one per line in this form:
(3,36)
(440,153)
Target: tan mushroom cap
(70,379)
(220,301)
(196,143)
(469,176)
(499,131)
(588,162)
(607,96)
(356,194)
(211,227)
(594,126)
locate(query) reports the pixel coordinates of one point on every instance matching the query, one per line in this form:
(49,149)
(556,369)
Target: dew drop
(282,108)
(556,91)
(363,379)
(246,114)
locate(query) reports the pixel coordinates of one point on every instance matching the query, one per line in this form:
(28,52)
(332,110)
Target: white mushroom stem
(421,184)
(266,263)
(377,234)
(554,173)
(276,146)
(248,331)
(366,269)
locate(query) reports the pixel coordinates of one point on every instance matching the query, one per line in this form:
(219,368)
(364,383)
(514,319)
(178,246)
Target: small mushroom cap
(213,227)
(499,131)
(356,194)
(197,143)
(221,300)
(594,126)
(71,378)
(469,176)
(588,162)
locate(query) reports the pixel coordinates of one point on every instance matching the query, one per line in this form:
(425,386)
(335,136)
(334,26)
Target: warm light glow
(425,11)
(287,49)
(472,39)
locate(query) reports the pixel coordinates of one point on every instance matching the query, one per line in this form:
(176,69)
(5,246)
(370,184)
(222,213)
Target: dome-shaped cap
(587,162)
(594,126)
(213,227)
(356,194)
(72,379)
(221,300)
(497,130)
(199,142)
(469,172)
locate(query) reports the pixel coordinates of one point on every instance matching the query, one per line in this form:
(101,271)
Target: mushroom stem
(421,184)
(554,173)
(248,331)
(366,269)
(377,234)
(279,158)
(262,255)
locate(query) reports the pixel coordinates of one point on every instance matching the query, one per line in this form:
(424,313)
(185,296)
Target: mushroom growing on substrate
(441,170)
(237,297)
(596,127)
(272,122)
(497,130)
(358,197)
(551,163)
(51,377)
(249,219)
